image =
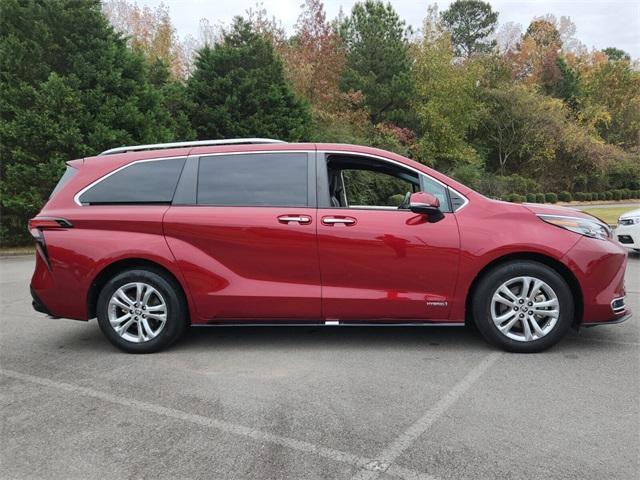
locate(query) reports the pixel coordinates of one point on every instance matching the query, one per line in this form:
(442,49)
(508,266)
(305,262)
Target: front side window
(256,179)
(365,188)
(362,182)
(142,182)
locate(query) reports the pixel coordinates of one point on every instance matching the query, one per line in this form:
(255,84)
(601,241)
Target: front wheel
(141,311)
(523,306)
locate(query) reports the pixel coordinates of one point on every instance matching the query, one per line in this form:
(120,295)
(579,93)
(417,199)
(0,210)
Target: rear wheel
(523,306)
(141,311)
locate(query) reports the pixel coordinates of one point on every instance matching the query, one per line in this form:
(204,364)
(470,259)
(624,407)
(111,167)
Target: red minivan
(151,239)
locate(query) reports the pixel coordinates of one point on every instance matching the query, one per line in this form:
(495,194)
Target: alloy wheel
(137,312)
(525,308)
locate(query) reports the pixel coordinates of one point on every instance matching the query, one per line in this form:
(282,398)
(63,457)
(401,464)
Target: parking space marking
(366,464)
(406,439)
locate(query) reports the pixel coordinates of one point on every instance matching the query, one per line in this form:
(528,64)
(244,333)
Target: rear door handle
(339,221)
(301,219)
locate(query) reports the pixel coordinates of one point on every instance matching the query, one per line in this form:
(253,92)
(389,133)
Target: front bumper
(615,321)
(628,236)
(599,266)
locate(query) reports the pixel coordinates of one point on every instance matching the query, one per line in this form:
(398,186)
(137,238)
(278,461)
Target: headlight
(628,220)
(583,226)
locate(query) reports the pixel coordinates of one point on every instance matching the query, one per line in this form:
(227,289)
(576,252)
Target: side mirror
(426,204)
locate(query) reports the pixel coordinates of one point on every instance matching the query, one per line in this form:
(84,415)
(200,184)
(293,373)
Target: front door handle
(301,219)
(338,221)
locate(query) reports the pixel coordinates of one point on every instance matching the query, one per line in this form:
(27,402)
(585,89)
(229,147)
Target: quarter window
(259,179)
(142,182)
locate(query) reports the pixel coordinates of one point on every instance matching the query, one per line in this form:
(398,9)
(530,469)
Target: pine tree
(238,89)
(378,61)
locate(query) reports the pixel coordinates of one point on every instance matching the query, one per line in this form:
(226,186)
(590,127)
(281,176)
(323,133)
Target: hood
(544,209)
(632,213)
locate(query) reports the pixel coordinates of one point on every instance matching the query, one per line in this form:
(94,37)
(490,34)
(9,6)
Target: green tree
(70,88)
(614,54)
(613,89)
(238,89)
(378,61)
(564,84)
(447,101)
(471,24)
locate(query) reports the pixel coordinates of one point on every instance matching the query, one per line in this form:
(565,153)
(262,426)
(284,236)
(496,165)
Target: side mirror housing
(426,204)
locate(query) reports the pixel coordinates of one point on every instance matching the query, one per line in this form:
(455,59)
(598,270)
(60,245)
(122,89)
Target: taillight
(36,227)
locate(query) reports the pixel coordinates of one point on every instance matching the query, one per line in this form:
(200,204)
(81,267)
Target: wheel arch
(114,268)
(551,262)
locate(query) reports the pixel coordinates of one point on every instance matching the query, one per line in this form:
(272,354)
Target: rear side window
(258,179)
(66,176)
(143,182)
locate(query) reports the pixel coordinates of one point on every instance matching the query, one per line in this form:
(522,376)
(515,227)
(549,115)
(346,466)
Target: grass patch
(10,251)
(609,215)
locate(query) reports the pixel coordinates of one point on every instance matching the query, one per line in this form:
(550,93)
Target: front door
(378,262)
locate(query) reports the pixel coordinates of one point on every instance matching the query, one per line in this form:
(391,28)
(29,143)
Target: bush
(515,184)
(588,196)
(636,194)
(565,196)
(513,197)
(626,193)
(531,197)
(602,196)
(608,195)
(539,197)
(550,198)
(617,195)
(395,200)
(579,196)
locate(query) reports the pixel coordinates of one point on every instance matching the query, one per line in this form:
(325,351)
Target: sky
(599,24)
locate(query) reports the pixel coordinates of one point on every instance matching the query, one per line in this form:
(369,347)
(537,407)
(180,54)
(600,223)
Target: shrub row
(622,194)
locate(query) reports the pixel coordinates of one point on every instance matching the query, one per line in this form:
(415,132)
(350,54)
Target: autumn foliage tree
(150,31)
(314,57)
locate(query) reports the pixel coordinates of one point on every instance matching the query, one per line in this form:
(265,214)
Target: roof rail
(197,143)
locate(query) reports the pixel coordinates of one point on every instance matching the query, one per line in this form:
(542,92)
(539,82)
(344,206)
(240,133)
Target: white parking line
(405,440)
(367,464)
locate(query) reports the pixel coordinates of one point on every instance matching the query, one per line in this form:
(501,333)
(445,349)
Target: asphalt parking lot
(325,402)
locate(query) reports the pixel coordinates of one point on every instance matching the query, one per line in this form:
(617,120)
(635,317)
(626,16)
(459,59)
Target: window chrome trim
(400,164)
(77,196)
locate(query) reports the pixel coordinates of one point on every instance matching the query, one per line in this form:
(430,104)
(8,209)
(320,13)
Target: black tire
(492,280)
(176,309)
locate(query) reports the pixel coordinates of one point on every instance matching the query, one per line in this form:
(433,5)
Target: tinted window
(261,179)
(374,189)
(142,182)
(439,191)
(66,176)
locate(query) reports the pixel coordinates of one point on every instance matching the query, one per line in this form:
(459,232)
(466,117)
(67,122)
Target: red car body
(244,264)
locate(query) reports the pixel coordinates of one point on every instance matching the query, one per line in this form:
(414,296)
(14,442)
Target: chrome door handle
(302,219)
(336,220)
